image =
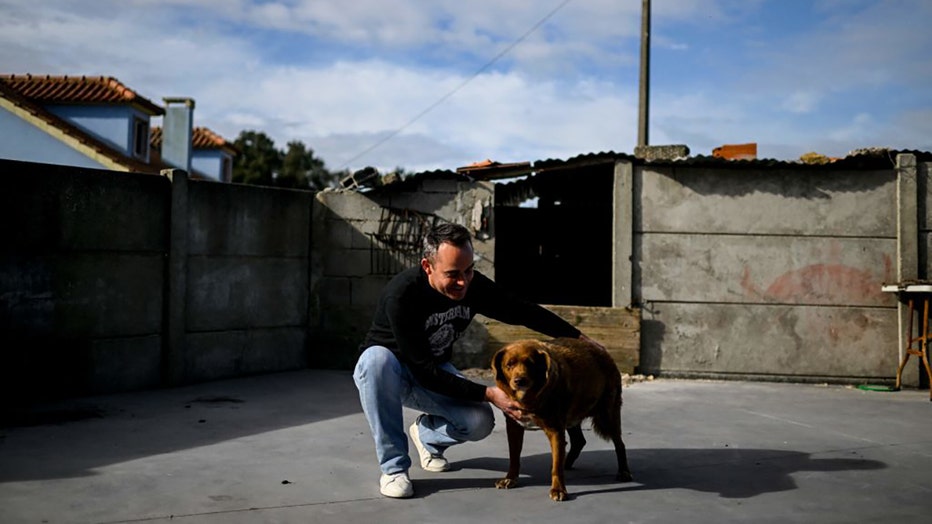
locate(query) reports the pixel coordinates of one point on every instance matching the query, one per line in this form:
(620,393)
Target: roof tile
(201,138)
(50,89)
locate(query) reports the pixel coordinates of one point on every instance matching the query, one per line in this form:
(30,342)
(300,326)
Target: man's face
(451,270)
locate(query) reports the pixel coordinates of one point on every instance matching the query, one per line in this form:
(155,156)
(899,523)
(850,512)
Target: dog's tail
(606,419)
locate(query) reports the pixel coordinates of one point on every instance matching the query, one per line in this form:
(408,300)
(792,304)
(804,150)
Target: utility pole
(644,103)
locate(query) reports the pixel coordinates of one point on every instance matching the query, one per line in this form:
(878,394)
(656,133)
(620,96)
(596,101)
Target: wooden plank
(618,329)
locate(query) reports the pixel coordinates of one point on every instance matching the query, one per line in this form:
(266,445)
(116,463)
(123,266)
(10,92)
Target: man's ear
(425,265)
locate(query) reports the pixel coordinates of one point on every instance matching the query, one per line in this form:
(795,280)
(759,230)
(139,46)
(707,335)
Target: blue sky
(439,84)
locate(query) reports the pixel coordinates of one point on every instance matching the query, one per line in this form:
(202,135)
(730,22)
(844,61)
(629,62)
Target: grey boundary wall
(81,280)
(114,281)
(775,274)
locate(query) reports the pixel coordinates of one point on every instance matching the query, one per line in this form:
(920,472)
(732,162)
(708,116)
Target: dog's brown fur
(560,383)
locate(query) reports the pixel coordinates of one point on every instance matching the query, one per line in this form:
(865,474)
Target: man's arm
(495,302)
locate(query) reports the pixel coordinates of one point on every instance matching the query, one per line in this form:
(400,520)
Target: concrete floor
(294,447)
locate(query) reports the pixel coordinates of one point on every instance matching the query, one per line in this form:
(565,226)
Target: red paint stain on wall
(833,283)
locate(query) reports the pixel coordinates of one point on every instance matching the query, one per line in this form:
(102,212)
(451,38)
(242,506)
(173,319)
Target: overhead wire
(462,84)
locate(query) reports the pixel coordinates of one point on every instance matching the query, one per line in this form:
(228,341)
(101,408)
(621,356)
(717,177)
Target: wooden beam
(618,329)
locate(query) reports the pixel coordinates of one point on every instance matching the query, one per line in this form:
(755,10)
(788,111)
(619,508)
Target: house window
(140,138)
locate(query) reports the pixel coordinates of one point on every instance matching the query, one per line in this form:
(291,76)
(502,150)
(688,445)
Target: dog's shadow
(731,473)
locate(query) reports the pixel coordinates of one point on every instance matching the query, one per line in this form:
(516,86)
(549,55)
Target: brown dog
(559,384)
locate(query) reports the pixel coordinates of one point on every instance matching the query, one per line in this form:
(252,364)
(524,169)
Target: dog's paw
(624,476)
(557,494)
(506,483)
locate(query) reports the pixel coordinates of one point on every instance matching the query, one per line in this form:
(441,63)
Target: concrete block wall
(345,280)
(114,281)
(247,280)
(766,273)
(912,214)
(924,189)
(342,224)
(82,267)
(117,281)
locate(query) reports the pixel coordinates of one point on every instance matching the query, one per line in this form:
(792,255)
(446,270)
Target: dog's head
(522,367)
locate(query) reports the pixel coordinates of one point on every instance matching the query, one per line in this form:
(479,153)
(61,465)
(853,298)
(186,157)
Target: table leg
(908,350)
(924,342)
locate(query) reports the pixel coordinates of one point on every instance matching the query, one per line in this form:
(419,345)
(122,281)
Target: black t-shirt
(419,325)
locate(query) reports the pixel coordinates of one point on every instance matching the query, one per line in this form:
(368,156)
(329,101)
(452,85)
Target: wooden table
(918,296)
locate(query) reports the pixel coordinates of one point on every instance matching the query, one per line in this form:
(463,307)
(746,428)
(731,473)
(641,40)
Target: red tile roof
(201,138)
(77,135)
(30,93)
(50,89)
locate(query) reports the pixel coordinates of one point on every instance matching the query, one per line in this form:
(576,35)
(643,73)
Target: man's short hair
(447,232)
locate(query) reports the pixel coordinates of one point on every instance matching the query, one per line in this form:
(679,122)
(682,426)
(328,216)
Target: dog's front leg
(515,434)
(557,439)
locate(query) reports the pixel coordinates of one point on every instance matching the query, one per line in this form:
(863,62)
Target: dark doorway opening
(560,252)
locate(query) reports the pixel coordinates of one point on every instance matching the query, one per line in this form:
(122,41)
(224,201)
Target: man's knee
(373,363)
(482,422)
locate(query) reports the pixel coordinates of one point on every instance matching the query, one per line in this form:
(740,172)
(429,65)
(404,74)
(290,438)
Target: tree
(296,163)
(261,163)
(301,169)
(258,161)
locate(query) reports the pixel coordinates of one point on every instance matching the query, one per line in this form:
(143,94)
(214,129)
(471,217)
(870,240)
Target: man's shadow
(732,473)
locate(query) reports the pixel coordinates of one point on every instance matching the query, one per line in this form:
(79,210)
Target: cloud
(416,78)
(801,101)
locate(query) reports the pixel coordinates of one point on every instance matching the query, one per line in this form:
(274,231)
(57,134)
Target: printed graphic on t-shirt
(447,327)
(442,339)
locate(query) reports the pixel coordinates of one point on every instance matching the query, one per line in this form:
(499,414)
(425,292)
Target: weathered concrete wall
(769,272)
(351,263)
(116,281)
(247,280)
(82,267)
(340,282)
(924,188)
(912,252)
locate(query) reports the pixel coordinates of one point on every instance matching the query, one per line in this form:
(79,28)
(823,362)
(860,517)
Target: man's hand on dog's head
(499,399)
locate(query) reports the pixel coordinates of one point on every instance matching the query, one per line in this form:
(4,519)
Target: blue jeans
(386,385)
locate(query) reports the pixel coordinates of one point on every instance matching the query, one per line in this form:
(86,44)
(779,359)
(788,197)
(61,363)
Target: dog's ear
(547,364)
(497,365)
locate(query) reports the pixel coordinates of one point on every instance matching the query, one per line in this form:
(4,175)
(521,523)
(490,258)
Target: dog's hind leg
(577,442)
(624,472)
(607,424)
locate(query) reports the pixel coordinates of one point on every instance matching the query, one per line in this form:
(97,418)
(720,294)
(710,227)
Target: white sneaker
(396,486)
(429,461)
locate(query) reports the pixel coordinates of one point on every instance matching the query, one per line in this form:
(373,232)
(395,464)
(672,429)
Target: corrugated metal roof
(868,158)
(489,170)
